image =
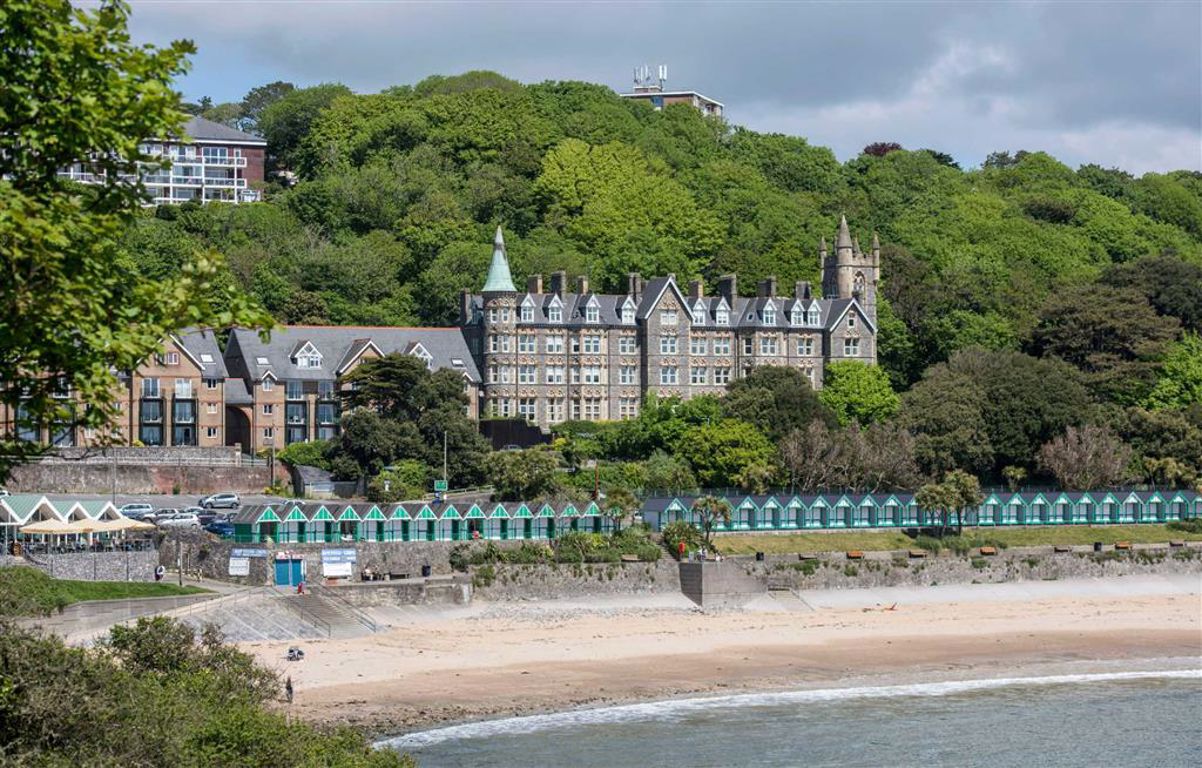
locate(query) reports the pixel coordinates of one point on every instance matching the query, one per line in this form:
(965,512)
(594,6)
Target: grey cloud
(1063,73)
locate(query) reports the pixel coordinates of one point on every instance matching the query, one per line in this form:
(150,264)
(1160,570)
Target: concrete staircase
(339,618)
(724,584)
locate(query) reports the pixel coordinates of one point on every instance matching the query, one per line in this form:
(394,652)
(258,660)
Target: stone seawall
(99,566)
(456,591)
(190,479)
(885,569)
(510,581)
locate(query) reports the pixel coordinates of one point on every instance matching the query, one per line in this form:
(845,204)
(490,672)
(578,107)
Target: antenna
(663,74)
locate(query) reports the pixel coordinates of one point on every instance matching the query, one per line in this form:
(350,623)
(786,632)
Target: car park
(221,501)
(160,514)
(220,528)
(136,510)
(178,520)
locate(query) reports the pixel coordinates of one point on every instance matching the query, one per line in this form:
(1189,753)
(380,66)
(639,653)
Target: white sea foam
(675,709)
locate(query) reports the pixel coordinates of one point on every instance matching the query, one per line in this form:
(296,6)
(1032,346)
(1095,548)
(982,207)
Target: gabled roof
(446,346)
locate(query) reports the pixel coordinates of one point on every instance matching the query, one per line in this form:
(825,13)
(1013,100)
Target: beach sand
(517,658)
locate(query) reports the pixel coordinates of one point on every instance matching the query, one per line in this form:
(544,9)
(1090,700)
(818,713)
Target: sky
(1113,83)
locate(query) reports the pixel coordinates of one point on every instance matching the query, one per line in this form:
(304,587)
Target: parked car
(136,510)
(161,513)
(178,520)
(221,501)
(219,528)
(4,492)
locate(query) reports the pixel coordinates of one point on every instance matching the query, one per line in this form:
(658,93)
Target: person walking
(288,689)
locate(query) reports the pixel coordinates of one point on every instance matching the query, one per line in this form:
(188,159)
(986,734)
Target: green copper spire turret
(499,280)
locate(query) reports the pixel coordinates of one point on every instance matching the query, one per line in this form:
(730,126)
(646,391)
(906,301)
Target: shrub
(484,576)
(979,563)
(310,454)
(850,571)
(1187,526)
(680,531)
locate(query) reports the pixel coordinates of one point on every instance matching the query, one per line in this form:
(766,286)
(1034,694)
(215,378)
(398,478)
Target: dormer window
(592,313)
(797,317)
(769,314)
(555,311)
(699,313)
(628,311)
(527,313)
(815,318)
(722,316)
(420,353)
(307,356)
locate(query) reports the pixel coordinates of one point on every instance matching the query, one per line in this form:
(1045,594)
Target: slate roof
(202,345)
(337,345)
(200,129)
(747,312)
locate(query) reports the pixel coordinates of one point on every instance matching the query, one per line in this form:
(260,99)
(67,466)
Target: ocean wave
(674,709)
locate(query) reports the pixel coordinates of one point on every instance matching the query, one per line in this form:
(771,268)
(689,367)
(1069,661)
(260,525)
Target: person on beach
(288,689)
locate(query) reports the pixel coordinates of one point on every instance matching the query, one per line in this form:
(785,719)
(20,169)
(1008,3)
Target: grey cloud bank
(1111,83)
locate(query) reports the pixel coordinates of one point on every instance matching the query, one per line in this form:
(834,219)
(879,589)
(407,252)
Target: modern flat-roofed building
(652,91)
(285,390)
(550,353)
(209,162)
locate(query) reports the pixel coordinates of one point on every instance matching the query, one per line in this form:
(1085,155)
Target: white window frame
(554,344)
(669,376)
(699,375)
(669,317)
(627,345)
(851,347)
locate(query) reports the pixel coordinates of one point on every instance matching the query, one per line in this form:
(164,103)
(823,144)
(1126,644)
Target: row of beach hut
(328,522)
(26,516)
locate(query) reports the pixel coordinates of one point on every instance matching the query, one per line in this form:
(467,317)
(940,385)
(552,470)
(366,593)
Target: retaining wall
(884,569)
(456,591)
(725,584)
(132,479)
(510,581)
(99,566)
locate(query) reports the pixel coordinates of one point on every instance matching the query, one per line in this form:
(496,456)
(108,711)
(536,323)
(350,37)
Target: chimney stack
(465,306)
(767,288)
(803,290)
(728,287)
(534,284)
(559,280)
(582,284)
(634,285)
(696,289)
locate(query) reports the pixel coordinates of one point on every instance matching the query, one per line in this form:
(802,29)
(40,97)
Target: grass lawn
(27,591)
(841,541)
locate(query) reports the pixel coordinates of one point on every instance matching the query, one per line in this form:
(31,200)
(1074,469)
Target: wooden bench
(988,550)
(855,554)
(1122,545)
(918,553)
(1061,549)
(630,558)
(1177,543)
(807,556)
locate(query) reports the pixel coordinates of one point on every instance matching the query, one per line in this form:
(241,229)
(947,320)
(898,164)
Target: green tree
(964,492)
(775,399)
(719,452)
(406,479)
(1180,381)
(285,121)
(666,472)
(258,99)
(1112,334)
(1086,458)
(77,89)
(857,392)
(401,387)
(711,511)
(620,506)
(525,475)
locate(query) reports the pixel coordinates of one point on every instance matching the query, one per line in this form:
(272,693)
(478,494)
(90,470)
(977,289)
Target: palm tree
(709,510)
(620,506)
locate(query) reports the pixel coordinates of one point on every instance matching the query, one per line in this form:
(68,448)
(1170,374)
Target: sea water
(1145,718)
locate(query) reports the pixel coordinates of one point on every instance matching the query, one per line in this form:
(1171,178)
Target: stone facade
(99,566)
(554,355)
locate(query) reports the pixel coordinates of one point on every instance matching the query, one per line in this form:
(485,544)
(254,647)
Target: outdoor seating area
(324,522)
(33,523)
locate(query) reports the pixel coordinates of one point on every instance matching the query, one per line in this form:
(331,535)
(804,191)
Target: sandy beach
(499,659)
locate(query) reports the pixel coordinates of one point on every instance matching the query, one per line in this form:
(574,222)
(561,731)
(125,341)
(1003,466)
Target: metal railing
(357,613)
(305,615)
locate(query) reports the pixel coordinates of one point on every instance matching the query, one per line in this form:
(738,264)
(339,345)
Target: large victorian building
(550,354)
